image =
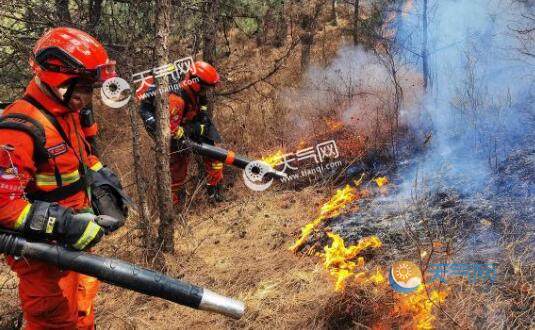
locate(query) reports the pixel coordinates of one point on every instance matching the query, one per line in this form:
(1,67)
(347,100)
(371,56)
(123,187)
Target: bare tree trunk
(210,23)
(95,11)
(308,25)
(398,100)
(261,33)
(281,26)
(62,11)
(425,55)
(307,38)
(356,22)
(334,16)
(141,182)
(163,136)
(211,10)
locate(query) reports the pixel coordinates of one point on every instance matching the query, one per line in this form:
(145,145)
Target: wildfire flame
(333,208)
(381,181)
(344,263)
(376,277)
(274,159)
(420,306)
(338,259)
(332,124)
(330,209)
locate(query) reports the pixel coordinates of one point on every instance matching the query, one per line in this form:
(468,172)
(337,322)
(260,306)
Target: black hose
(121,273)
(227,157)
(217,153)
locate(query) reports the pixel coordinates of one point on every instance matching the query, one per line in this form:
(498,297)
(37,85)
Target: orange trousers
(178,164)
(52,298)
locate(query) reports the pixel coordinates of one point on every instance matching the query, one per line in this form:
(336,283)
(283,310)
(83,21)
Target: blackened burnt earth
(495,225)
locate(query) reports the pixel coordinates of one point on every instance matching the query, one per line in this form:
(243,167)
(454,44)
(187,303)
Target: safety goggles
(98,75)
(71,66)
(205,85)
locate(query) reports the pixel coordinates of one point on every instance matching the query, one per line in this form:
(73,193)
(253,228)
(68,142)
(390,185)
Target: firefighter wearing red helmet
(45,166)
(189,118)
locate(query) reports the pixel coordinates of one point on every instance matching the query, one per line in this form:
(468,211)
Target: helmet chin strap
(62,95)
(66,92)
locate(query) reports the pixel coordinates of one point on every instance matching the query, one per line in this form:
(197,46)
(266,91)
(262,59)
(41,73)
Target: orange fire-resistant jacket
(23,178)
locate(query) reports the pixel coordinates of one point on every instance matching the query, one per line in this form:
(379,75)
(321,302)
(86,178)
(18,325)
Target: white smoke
(349,89)
(481,93)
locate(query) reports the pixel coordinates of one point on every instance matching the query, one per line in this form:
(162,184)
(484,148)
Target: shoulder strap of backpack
(48,116)
(33,128)
(36,131)
(52,119)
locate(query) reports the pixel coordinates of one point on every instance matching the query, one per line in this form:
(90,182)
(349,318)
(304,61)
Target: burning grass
(347,267)
(329,210)
(337,259)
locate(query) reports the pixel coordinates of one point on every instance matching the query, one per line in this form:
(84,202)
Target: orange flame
(420,306)
(274,159)
(344,263)
(333,208)
(330,209)
(377,277)
(337,259)
(332,124)
(381,181)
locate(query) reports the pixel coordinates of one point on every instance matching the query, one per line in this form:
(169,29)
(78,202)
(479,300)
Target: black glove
(150,126)
(211,134)
(203,116)
(106,201)
(110,224)
(146,110)
(196,130)
(52,221)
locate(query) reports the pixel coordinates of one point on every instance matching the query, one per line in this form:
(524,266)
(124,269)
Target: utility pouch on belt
(107,195)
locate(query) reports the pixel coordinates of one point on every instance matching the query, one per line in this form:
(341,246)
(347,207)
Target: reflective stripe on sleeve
(50,179)
(22,216)
(217,165)
(97,166)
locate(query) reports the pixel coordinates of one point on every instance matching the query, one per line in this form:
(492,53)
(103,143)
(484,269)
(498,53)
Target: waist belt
(59,193)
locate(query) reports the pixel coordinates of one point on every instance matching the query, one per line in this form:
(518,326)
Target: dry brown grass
(238,249)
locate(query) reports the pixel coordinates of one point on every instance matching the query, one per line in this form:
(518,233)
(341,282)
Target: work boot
(214,193)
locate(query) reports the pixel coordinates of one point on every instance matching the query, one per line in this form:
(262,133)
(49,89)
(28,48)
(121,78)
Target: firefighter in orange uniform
(45,162)
(189,118)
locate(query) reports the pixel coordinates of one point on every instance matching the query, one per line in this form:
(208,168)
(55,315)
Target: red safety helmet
(206,73)
(63,53)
